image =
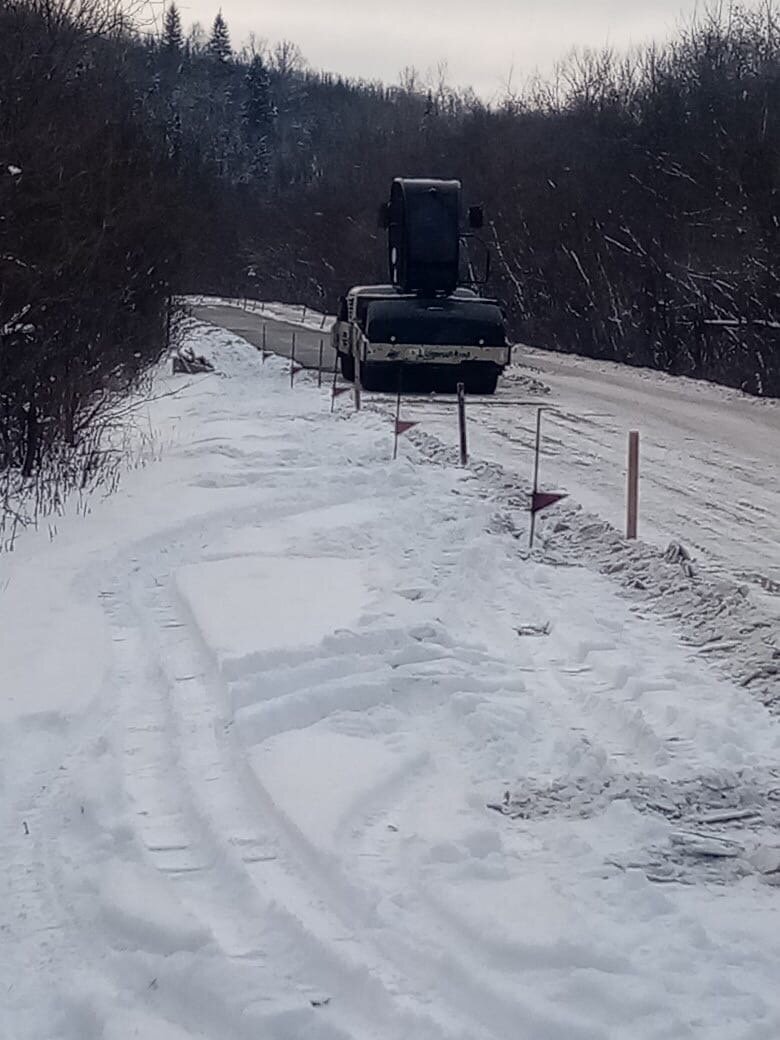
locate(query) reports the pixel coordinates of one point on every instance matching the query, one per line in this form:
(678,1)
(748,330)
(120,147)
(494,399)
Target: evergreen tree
(172,38)
(219,41)
(258,115)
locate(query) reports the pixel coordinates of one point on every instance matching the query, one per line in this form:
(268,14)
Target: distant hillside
(633,204)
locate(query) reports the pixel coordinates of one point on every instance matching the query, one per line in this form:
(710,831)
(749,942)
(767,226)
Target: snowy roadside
(300,743)
(709,469)
(715,616)
(710,475)
(711,614)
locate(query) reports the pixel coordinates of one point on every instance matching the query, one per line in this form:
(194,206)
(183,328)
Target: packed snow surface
(709,455)
(298,743)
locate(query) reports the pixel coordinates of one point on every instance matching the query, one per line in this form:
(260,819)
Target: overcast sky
(480,40)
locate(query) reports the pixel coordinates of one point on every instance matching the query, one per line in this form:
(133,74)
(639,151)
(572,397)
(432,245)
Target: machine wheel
(348,367)
(482,379)
(372,376)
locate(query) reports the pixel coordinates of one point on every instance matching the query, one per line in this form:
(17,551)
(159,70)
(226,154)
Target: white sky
(480,40)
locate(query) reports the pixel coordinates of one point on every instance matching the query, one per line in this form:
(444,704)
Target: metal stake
(536,472)
(632,502)
(464,454)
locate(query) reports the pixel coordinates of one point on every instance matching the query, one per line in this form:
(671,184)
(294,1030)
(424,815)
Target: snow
(710,477)
(343,764)
(709,470)
(252,612)
(301,743)
(140,911)
(48,687)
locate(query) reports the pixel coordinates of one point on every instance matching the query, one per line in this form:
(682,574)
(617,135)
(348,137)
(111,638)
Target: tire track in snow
(471,988)
(475,970)
(595,707)
(101,961)
(248,856)
(179,844)
(467,1004)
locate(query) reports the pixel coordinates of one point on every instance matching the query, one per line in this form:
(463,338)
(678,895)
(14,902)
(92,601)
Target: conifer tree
(219,41)
(172,38)
(258,114)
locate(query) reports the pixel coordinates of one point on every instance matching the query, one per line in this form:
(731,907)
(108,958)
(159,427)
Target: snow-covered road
(297,744)
(710,456)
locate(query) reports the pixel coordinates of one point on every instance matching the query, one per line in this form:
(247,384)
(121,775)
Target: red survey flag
(543,499)
(401,425)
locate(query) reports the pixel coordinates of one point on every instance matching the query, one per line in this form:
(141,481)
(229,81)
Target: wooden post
(319,365)
(263,347)
(464,453)
(536,473)
(398,408)
(632,496)
(358,386)
(292,360)
(335,377)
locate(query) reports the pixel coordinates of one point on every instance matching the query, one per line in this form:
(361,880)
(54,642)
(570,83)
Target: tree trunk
(31,440)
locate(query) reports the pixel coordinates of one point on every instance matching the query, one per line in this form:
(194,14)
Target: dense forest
(632,199)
